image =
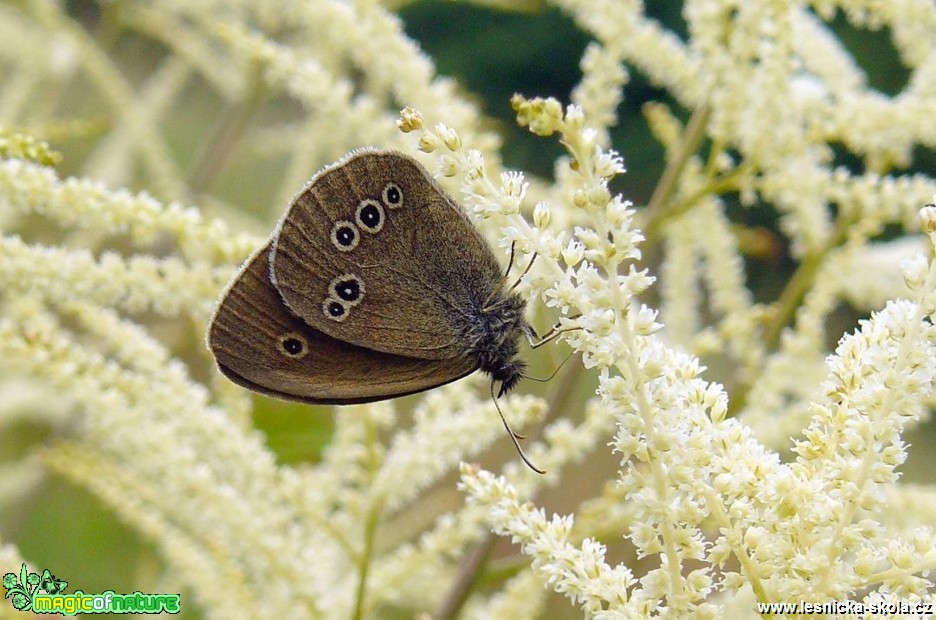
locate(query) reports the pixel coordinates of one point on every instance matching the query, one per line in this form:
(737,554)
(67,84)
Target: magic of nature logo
(44,594)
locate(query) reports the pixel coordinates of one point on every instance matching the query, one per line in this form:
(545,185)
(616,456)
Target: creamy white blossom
(708,446)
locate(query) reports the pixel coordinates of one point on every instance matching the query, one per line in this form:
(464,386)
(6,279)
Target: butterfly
(375,284)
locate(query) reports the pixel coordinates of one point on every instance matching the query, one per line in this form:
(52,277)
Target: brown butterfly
(374,285)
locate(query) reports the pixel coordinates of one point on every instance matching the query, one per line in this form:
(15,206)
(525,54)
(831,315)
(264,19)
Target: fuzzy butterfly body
(374,285)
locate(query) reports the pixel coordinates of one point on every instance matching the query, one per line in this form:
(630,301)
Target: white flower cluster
(779,484)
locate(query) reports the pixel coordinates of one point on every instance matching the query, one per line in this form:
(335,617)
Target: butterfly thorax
(494,332)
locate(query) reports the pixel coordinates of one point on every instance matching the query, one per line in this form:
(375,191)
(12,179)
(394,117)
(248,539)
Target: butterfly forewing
(374,253)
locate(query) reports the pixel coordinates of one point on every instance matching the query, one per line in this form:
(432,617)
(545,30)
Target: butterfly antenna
(514,436)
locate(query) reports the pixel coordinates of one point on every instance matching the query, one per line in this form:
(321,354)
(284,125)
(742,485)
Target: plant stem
(370,526)
(466,578)
(228,130)
(658,209)
(477,557)
(790,300)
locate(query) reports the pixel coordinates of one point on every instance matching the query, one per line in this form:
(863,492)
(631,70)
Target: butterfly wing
(373,252)
(259,345)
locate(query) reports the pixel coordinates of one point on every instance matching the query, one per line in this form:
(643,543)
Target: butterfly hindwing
(260,345)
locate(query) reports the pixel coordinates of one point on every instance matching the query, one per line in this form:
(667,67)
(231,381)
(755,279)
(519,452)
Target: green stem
(657,210)
(466,578)
(370,534)
(227,132)
(370,528)
(718,185)
(789,302)
(477,558)
(796,289)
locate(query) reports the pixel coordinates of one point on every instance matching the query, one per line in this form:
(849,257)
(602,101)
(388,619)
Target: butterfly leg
(537,341)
